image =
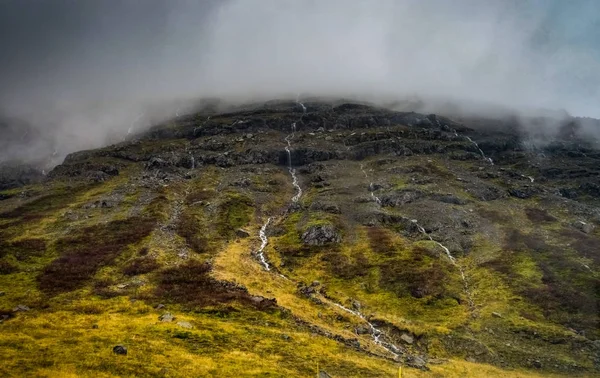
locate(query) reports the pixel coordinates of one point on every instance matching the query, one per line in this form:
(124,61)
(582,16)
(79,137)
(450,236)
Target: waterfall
(375,332)
(489,160)
(371,186)
(264,241)
(291,169)
(452,260)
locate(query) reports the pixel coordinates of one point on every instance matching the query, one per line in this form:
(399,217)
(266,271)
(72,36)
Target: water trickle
(264,241)
(489,160)
(291,169)
(452,260)
(371,187)
(376,333)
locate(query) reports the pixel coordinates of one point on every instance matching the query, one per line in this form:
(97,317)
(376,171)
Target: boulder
(120,349)
(240,233)
(322,234)
(408,339)
(362,330)
(21,308)
(584,227)
(166,317)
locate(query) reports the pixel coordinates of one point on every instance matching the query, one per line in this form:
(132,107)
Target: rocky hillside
(289,237)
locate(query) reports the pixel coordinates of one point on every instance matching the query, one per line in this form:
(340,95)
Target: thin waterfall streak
(453,261)
(376,333)
(489,160)
(264,241)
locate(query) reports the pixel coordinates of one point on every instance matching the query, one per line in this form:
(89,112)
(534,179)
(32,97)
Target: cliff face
(291,232)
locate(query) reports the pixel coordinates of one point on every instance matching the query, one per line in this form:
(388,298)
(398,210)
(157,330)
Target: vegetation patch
(234,212)
(42,206)
(88,249)
(539,215)
(419,275)
(141,265)
(381,241)
(24,248)
(7,268)
(190,228)
(191,284)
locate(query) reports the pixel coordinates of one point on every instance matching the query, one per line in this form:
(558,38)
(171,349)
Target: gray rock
(240,233)
(362,330)
(496,315)
(323,374)
(21,308)
(184,324)
(120,349)
(166,317)
(408,339)
(584,227)
(319,235)
(417,362)
(160,306)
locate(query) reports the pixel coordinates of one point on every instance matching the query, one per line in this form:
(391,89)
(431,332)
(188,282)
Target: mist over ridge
(81,75)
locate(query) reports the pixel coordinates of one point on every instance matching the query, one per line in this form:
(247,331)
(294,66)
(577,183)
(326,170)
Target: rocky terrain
(278,237)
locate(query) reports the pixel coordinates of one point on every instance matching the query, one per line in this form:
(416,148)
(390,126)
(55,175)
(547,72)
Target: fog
(80,74)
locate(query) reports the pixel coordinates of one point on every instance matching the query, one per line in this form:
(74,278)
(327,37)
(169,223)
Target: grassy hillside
(406,248)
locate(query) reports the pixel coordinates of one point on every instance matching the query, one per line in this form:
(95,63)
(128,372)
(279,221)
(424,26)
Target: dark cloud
(79,71)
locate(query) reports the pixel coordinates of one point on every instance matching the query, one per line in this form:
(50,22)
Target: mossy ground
(94,275)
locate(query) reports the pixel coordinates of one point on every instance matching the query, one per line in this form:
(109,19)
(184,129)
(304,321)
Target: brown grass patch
(141,266)
(83,253)
(539,215)
(192,285)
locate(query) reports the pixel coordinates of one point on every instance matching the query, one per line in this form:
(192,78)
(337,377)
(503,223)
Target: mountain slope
(288,235)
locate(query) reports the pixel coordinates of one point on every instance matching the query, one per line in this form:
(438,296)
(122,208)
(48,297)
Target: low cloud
(83,74)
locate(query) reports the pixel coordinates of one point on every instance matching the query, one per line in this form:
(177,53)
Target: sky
(82,70)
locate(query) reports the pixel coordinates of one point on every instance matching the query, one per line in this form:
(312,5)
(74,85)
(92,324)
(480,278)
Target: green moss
(235,211)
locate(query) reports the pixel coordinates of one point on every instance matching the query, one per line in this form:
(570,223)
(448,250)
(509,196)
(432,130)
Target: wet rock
(401,197)
(120,349)
(584,227)
(522,193)
(449,198)
(240,233)
(186,325)
(156,162)
(417,362)
(21,308)
(362,330)
(166,317)
(485,193)
(307,291)
(326,207)
(408,339)
(319,235)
